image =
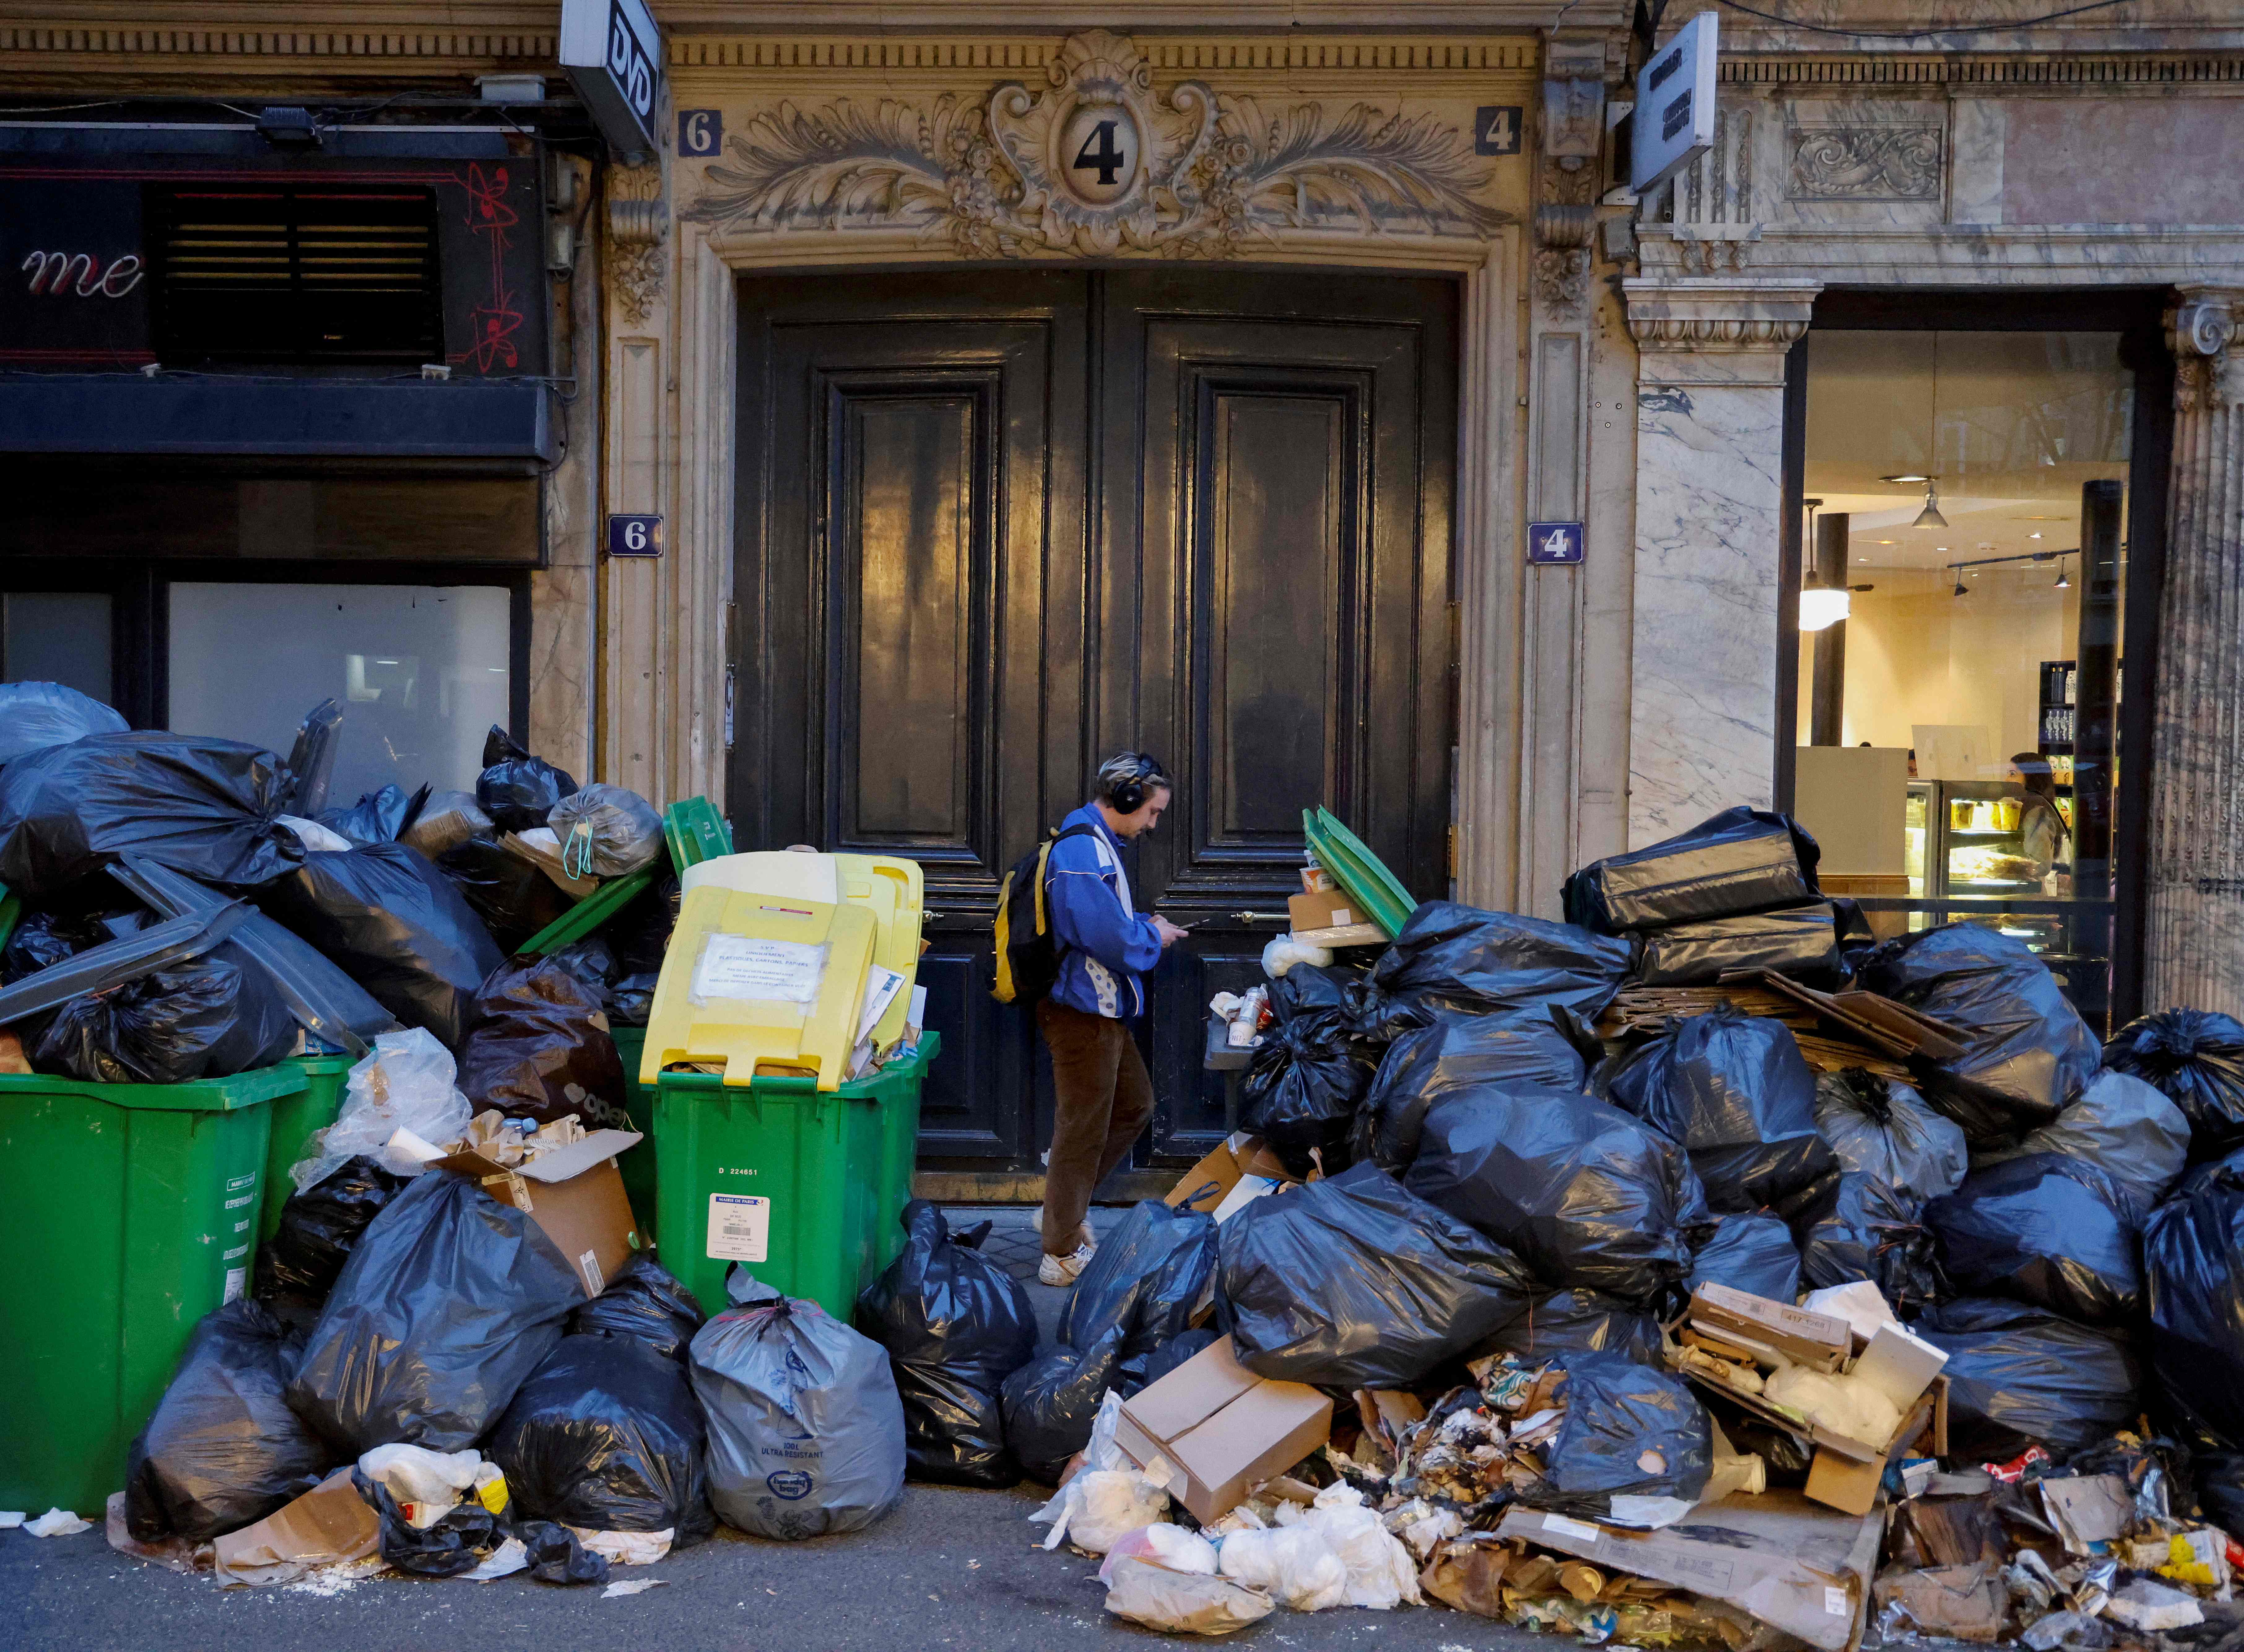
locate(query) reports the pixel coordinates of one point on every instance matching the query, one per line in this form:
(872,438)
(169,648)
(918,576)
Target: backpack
(1028,956)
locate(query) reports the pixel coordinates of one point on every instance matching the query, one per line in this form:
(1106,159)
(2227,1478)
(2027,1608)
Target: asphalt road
(949,1569)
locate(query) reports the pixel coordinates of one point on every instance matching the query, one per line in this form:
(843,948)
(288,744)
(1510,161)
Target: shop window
(421,672)
(312,276)
(57,636)
(1964,569)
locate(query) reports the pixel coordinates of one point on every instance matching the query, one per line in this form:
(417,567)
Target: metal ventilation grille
(296,276)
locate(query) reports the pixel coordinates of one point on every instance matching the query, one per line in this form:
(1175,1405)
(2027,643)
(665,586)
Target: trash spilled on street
(1694,1274)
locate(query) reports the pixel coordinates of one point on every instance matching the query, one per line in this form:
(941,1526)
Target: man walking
(1103,1094)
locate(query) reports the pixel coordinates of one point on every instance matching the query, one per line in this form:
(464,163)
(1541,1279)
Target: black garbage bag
(606,1436)
(2019,1376)
(2124,1127)
(956,1325)
(508,891)
(1142,1370)
(1583,1194)
(462,1539)
(1050,1404)
(645,1302)
(202,1017)
(1302,1092)
(557,1555)
(592,961)
(1735,1091)
(1355,1282)
(449,1301)
(34,716)
(1457,1051)
(1629,1431)
(2055,1232)
(640,933)
(2193,1276)
(2027,1052)
(207,808)
(1577,1322)
(631,1002)
(446,820)
(42,938)
(540,1049)
(806,1432)
(1453,956)
(606,831)
(398,927)
(1751,1251)
(1895,1153)
(222,1450)
(2219,1482)
(1802,941)
(1742,860)
(2195,1059)
(1148,1277)
(321,1226)
(377,817)
(515,789)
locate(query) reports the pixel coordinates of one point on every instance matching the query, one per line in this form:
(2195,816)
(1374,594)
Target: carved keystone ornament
(1097,161)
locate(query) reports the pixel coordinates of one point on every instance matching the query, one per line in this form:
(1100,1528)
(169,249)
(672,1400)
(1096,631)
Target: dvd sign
(612,51)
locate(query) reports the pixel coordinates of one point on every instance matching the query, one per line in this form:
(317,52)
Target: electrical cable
(1921,34)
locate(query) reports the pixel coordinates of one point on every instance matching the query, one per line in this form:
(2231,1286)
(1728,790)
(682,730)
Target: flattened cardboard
(1819,1341)
(329,1523)
(1211,1430)
(1324,909)
(1803,1569)
(576,1196)
(1210,1182)
(2093,1508)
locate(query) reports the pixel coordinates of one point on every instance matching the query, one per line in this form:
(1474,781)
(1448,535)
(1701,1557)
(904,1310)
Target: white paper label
(882,986)
(1834,1602)
(916,1017)
(740,1228)
(1341,917)
(588,1265)
(1160,1471)
(1582,1531)
(237,1280)
(742,966)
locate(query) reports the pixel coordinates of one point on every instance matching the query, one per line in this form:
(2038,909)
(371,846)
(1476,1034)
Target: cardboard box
(1317,881)
(575,1194)
(1215,1184)
(1819,1341)
(1802,1569)
(1330,918)
(1211,1431)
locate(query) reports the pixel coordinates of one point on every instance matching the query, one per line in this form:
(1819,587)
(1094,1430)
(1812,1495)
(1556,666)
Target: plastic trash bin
(133,1209)
(638,1164)
(294,1119)
(798,1185)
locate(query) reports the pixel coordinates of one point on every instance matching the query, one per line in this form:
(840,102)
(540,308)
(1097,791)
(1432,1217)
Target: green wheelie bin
(134,1209)
(636,1164)
(799,1186)
(295,1119)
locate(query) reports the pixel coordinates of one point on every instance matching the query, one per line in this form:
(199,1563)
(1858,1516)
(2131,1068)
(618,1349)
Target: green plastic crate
(824,1164)
(695,832)
(1361,874)
(132,1210)
(294,1119)
(588,914)
(638,1164)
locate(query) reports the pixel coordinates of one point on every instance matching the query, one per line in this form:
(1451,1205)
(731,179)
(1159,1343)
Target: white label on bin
(1834,1602)
(1581,1531)
(740,967)
(237,1280)
(740,1228)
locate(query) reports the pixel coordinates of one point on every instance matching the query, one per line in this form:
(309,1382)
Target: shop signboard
(1674,118)
(612,51)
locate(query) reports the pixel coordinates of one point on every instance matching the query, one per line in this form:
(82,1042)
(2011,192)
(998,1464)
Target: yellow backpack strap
(1043,863)
(1002,987)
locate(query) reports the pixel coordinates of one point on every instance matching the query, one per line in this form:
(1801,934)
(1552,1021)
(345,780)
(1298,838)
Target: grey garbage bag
(449,1301)
(1586,1196)
(1742,860)
(2195,1059)
(606,831)
(1751,1251)
(1735,1091)
(1458,957)
(1358,1283)
(1457,1051)
(2124,1127)
(1895,1153)
(34,715)
(1577,1322)
(2020,1376)
(2027,1052)
(806,1431)
(1629,1431)
(2045,1229)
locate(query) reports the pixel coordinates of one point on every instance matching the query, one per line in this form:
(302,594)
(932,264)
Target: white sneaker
(1085,1239)
(1063,1270)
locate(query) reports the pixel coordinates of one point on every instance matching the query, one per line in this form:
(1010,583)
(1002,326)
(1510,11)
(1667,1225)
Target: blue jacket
(1104,944)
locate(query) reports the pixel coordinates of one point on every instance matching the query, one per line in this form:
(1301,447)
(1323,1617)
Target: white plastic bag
(1294,1563)
(434,1483)
(406,1082)
(1380,1572)
(316,838)
(1182,1603)
(1099,1505)
(1164,1545)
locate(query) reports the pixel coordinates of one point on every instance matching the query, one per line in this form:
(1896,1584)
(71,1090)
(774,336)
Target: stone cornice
(1697,313)
(1983,72)
(373,50)
(935,55)
(686,17)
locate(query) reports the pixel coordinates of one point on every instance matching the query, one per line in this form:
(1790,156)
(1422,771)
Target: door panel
(997,525)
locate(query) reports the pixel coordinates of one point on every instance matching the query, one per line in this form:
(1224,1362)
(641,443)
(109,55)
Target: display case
(1983,848)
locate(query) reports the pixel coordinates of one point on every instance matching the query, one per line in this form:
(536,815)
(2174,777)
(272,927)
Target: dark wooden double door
(997,525)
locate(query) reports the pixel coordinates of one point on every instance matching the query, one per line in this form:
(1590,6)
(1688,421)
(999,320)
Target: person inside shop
(2042,831)
(1102,1095)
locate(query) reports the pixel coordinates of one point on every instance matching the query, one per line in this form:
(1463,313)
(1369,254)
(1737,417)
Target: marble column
(1709,521)
(2193,941)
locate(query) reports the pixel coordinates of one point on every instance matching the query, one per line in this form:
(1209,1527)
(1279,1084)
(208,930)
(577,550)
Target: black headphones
(1126,779)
